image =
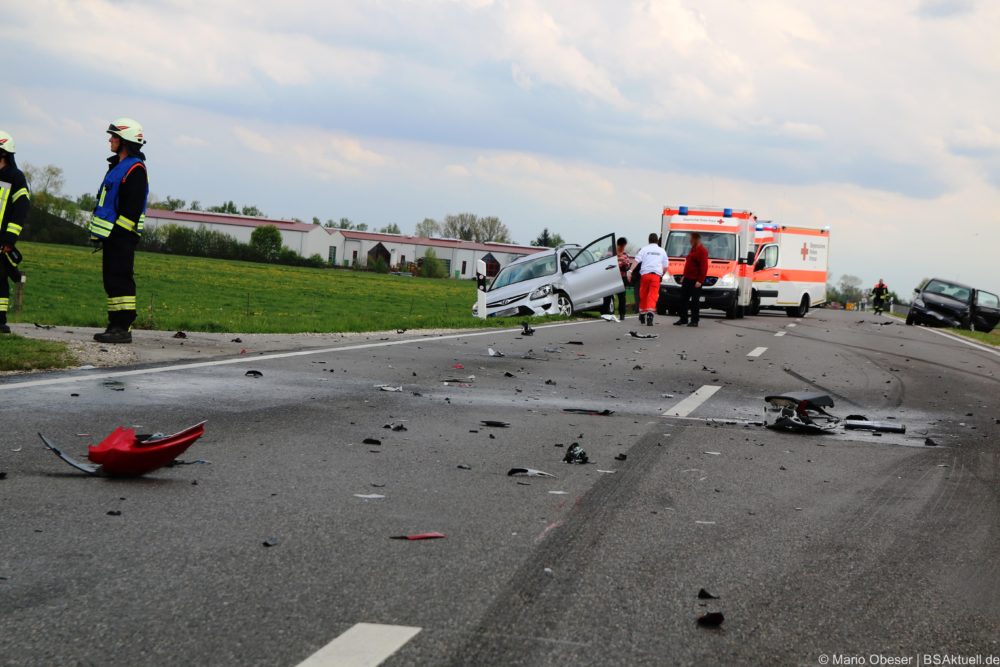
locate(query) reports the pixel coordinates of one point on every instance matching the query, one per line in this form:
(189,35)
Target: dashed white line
(757,351)
(692,402)
(781,333)
(363,645)
(791,324)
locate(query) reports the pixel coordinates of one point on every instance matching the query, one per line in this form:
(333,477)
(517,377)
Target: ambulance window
(770,256)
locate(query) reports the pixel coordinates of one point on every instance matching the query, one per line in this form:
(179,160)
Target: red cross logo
(805,251)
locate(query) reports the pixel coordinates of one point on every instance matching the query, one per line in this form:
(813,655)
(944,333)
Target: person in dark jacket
(116,225)
(880,293)
(695,271)
(15,200)
(624,262)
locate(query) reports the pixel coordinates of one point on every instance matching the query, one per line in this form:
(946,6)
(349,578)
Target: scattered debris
(494,353)
(608,472)
(114,512)
(527,472)
(492,423)
(236,340)
(929,442)
(550,382)
(548,572)
(710,370)
(179,462)
(458,367)
(800,411)
(3,475)
(621,457)
(705,523)
(574,342)
(712,619)
(254,374)
(526,329)
(44,326)
(508,374)
(419,536)
(19,448)
(637,367)
(369,496)
(401,331)
(386,387)
(559,493)
(636,334)
(114,385)
(714,453)
(124,454)
(552,350)
(575,454)
(271,542)
(866,425)
(371,441)
(609,318)
(464,466)
(395,427)
(705,595)
(589,411)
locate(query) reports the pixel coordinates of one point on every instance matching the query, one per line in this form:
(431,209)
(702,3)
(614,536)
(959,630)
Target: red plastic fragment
(122,454)
(458,366)
(419,536)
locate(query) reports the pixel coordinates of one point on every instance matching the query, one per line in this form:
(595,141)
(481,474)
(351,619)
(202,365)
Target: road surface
(817,547)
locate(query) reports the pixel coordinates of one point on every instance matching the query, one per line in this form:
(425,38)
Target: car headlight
(728,280)
(919,303)
(541,292)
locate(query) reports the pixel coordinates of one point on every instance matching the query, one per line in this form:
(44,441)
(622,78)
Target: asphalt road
(817,547)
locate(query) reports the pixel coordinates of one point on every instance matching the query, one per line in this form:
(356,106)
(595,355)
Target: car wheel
(564,306)
(910,319)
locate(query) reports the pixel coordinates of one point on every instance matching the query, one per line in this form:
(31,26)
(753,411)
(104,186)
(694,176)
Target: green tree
(361,226)
(266,241)
(428,228)
(490,228)
(345,223)
(316,221)
(252,211)
(547,239)
(391,228)
(168,204)
(195,206)
(431,266)
(850,288)
(463,226)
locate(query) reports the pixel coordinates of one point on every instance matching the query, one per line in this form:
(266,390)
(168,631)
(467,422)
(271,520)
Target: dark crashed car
(942,303)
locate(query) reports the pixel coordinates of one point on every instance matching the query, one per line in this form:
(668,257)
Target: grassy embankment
(25,354)
(991,338)
(197,294)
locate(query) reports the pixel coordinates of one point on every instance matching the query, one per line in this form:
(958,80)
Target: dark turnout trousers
(690,300)
(119,277)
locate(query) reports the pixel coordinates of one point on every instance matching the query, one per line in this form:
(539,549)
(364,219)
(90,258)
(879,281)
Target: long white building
(342,247)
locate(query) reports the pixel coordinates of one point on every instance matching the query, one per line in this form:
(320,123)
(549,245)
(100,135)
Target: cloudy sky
(880,119)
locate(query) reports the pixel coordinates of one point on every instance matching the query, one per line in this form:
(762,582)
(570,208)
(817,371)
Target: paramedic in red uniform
(651,261)
(695,271)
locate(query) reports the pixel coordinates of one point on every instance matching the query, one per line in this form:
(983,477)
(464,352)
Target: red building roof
(227,219)
(440,243)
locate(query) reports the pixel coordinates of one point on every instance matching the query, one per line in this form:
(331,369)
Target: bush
(431,266)
(44,227)
(379,266)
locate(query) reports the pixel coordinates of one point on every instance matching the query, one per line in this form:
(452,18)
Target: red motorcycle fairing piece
(122,454)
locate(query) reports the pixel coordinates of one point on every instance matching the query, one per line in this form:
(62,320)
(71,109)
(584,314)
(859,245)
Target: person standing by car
(695,271)
(14,205)
(651,261)
(624,262)
(117,225)
(879,294)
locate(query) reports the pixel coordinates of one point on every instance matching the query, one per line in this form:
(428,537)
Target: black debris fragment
(114,512)
(712,619)
(395,427)
(508,374)
(637,367)
(550,382)
(527,472)
(621,457)
(800,411)
(180,334)
(254,374)
(929,442)
(464,466)
(492,423)
(589,411)
(44,326)
(526,329)
(271,542)
(236,340)
(576,454)
(705,595)
(371,441)
(495,353)
(401,331)
(636,334)
(3,475)
(574,342)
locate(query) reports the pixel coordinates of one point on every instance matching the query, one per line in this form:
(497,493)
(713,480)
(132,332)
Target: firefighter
(879,294)
(15,201)
(117,225)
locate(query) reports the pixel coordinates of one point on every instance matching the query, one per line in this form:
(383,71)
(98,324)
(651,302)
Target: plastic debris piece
(492,423)
(114,385)
(395,427)
(254,374)
(576,454)
(589,411)
(878,427)
(508,374)
(548,572)
(464,466)
(550,382)
(494,353)
(123,454)
(236,340)
(420,536)
(712,619)
(371,441)
(621,457)
(180,334)
(929,442)
(609,318)
(799,411)
(114,512)
(714,453)
(20,447)
(458,367)
(369,496)
(271,542)
(44,326)
(608,472)
(705,523)
(559,493)
(386,387)
(527,472)
(636,334)
(526,329)
(574,342)
(401,331)
(705,595)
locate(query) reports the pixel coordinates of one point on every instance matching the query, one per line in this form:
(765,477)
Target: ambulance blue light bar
(682,210)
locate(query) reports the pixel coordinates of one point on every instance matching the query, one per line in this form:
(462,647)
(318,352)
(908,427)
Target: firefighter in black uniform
(15,200)
(881,293)
(117,225)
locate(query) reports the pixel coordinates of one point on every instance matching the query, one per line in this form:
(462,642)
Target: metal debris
(254,374)
(576,454)
(527,472)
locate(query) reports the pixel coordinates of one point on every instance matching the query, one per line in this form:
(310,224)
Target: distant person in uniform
(651,261)
(695,272)
(14,205)
(880,293)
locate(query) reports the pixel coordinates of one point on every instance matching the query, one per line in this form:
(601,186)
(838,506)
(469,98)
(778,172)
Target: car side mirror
(916,290)
(759,266)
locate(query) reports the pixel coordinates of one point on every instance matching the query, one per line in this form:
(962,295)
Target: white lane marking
(692,402)
(363,645)
(962,340)
(781,333)
(791,324)
(757,351)
(247,359)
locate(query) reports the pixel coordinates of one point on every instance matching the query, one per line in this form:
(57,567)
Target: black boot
(114,335)
(681,322)
(4,329)
(649,319)
(642,318)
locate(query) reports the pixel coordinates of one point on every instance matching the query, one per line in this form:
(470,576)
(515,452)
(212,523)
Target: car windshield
(949,290)
(545,265)
(719,245)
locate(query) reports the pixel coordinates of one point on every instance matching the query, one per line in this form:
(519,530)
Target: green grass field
(991,338)
(197,294)
(25,354)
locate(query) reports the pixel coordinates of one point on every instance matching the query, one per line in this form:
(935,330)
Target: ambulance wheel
(732,312)
(564,306)
(801,309)
(754,308)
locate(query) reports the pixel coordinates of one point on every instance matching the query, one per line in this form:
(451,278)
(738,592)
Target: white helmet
(127,129)
(7,142)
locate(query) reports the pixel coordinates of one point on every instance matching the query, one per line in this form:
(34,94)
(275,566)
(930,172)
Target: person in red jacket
(695,271)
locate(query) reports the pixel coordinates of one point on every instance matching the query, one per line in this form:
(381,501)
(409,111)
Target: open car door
(592,273)
(986,315)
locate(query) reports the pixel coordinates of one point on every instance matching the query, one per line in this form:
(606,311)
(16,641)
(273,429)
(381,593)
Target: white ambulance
(790,268)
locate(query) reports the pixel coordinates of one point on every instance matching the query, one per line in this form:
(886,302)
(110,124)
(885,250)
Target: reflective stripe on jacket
(106,214)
